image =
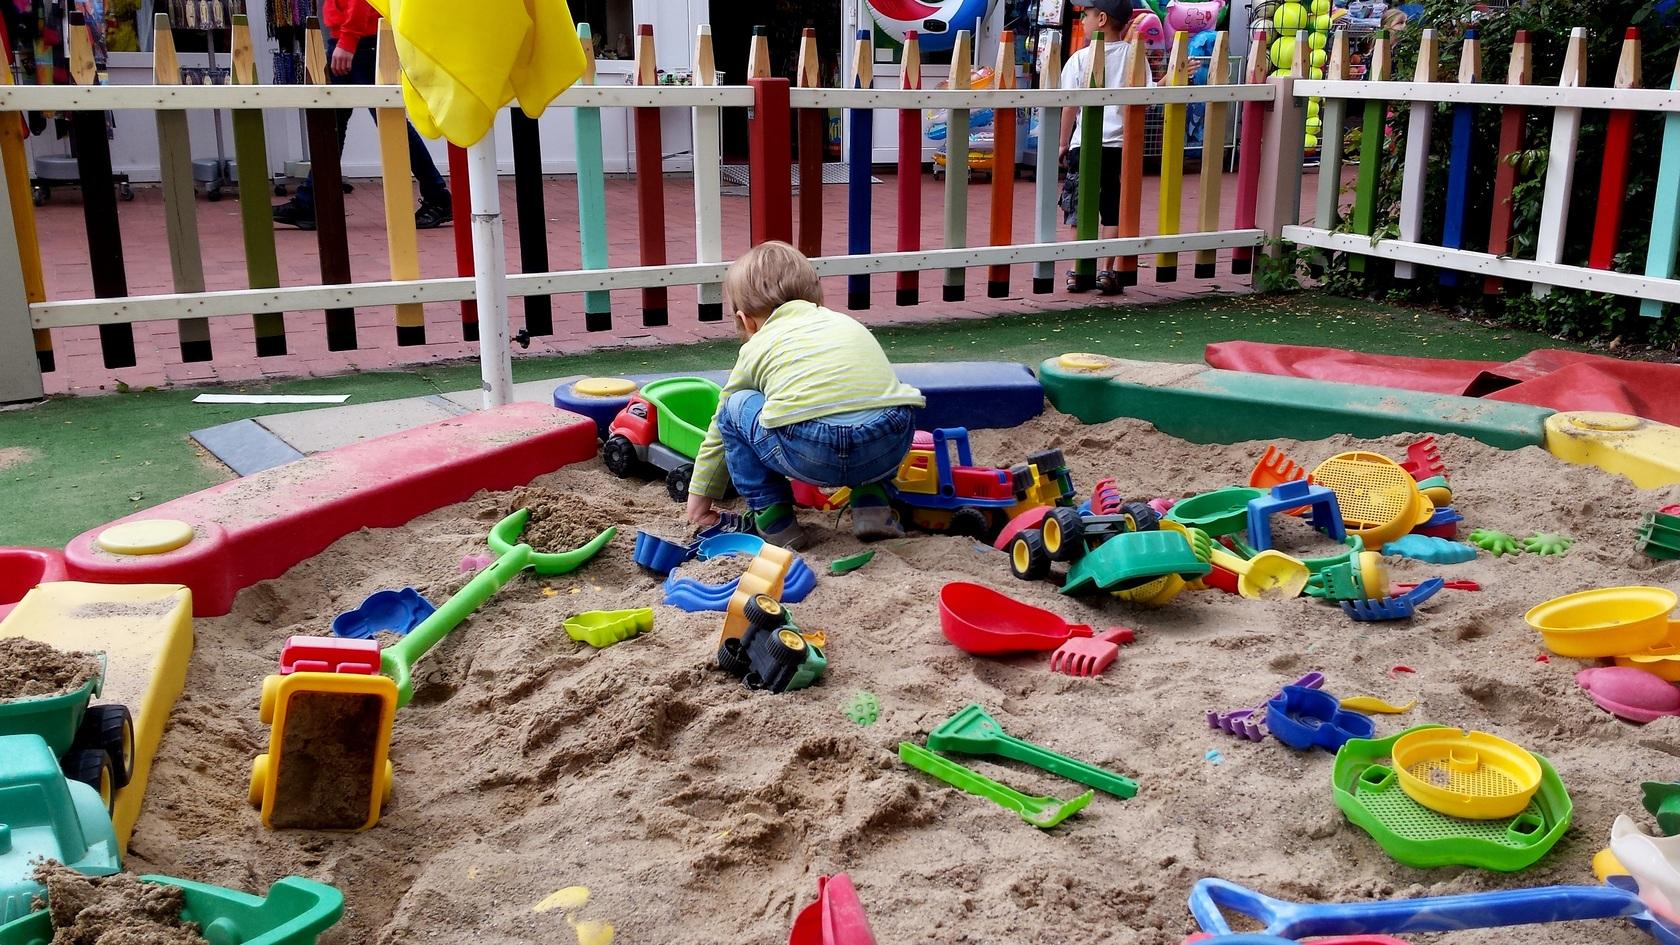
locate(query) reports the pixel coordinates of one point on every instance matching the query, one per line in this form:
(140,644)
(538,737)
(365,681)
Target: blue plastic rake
(1292,920)
(1398,607)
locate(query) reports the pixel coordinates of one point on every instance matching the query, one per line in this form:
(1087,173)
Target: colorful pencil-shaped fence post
(1278,200)
(708,177)
(812,129)
(1560,162)
(1665,213)
(1511,121)
(20,241)
(1085,209)
(180,204)
(650,183)
(592,194)
(332,240)
(1213,156)
(1131,157)
(1458,155)
(1419,128)
(460,204)
(1249,141)
(1333,122)
(1046,187)
(1169,207)
(1371,133)
(1003,166)
(99,200)
(956,165)
(531,214)
(769,154)
(1612,181)
(859,157)
(402,241)
(910,170)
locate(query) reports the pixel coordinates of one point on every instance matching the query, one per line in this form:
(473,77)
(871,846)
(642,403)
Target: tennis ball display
(1290,17)
(1312,108)
(1320,7)
(1283,50)
(1314,125)
(1311,142)
(1315,73)
(1317,40)
(1318,58)
(1321,23)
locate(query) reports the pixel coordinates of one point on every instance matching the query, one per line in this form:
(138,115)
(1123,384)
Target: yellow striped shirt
(808,362)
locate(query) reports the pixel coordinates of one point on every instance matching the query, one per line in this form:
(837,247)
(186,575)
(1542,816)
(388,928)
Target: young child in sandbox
(811,397)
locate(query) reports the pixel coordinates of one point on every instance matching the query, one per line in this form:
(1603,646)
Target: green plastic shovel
(397,661)
(504,535)
(973,732)
(1041,812)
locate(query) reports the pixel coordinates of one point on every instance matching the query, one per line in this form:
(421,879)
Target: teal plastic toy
(973,732)
(603,628)
(1368,791)
(46,817)
(1042,812)
(1432,550)
(1659,536)
(295,912)
(504,535)
(1133,558)
(1496,543)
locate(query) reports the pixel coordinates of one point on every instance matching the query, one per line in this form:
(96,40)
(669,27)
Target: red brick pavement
(80,367)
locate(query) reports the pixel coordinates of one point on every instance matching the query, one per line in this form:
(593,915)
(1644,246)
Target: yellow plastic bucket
(1606,621)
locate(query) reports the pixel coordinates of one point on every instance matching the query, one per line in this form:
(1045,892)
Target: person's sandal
(1075,283)
(1108,282)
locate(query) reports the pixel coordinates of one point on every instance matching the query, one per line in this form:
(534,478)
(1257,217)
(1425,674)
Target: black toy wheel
(676,482)
(1064,534)
(969,523)
(1027,558)
(764,612)
(732,660)
(92,767)
(1144,518)
(1047,461)
(619,456)
(110,729)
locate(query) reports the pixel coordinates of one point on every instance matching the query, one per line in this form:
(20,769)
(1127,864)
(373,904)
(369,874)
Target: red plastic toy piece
(982,621)
(258,527)
(23,568)
(836,918)
(808,496)
(1222,579)
(1106,498)
(1449,585)
(1423,460)
(1031,518)
(1397,670)
(329,655)
(1670,510)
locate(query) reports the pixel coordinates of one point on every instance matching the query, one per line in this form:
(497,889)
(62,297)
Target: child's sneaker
(778,525)
(873,518)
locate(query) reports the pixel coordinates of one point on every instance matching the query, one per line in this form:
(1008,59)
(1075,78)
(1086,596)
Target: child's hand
(700,510)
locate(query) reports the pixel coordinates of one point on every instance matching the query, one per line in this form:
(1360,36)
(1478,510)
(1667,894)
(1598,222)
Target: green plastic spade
(602,628)
(397,661)
(1041,812)
(504,535)
(973,732)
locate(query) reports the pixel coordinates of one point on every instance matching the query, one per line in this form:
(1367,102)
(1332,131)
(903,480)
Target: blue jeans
(433,190)
(852,449)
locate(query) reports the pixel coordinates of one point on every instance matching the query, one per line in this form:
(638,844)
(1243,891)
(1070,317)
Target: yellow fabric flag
(457,76)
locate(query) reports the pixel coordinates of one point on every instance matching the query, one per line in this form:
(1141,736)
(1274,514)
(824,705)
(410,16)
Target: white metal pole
(495,356)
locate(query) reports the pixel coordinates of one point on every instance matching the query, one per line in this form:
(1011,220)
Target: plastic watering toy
(1654,864)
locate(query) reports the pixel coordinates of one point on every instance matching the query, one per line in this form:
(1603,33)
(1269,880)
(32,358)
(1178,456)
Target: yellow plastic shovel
(1268,574)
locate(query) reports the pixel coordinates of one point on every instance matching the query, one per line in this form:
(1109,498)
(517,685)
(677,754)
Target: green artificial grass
(72,463)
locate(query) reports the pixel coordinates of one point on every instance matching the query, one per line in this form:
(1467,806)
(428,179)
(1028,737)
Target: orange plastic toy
(326,767)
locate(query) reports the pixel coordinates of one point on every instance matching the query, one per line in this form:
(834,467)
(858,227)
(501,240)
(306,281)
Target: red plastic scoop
(980,620)
(835,918)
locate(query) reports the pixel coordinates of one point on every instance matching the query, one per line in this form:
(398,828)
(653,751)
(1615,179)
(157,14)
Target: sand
(719,570)
(114,910)
(698,812)
(30,670)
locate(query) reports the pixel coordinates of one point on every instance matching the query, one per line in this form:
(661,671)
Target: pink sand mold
(1250,723)
(1629,693)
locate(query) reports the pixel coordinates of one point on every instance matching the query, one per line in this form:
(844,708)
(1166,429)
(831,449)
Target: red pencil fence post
(770,161)
(650,184)
(460,200)
(910,171)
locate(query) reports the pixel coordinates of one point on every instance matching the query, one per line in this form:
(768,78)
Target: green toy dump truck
(662,426)
(93,743)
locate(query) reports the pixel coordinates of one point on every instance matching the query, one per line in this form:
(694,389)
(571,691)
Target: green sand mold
(1206,405)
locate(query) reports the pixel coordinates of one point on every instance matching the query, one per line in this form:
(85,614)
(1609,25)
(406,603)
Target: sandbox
(696,811)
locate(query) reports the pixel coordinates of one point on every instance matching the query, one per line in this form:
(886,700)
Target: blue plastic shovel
(1398,607)
(1293,920)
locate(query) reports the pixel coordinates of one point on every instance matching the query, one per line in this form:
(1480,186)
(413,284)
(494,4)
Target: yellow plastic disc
(1080,361)
(604,387)
(1600,421)
(147,536)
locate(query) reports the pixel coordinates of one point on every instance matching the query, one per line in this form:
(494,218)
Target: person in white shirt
(1111,18)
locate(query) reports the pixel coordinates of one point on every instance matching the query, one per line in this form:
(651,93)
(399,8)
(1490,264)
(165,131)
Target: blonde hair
(769,275)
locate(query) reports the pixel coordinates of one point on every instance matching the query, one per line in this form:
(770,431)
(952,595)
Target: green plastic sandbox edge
(1215,406)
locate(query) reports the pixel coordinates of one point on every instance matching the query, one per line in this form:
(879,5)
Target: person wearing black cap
(1111,18)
